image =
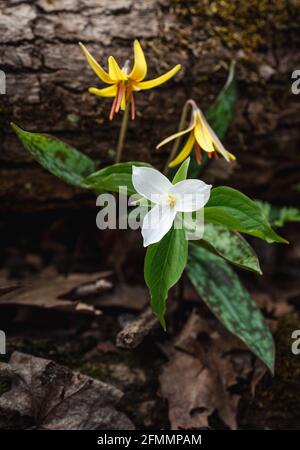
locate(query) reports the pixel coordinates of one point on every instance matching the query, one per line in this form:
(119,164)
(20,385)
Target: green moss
(243,24)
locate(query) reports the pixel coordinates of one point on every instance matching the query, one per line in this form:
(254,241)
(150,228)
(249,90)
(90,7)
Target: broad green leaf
(164,264)
(279,216)
(238,212)
(219,115)
(220,288)
(231,246)
(182,172)
(112,177)
(59,158)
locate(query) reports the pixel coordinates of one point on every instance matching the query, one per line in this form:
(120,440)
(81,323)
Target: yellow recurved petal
(114,70)
(159,80)
(184,152)
(217,144)
(95,66)
(176,135)
(139,70)
(203,139)
(231,155)
(110,91)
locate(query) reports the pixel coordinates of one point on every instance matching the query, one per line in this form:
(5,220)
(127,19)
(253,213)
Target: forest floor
(73,296)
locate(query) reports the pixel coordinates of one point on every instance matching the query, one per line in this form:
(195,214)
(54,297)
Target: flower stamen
(113,109)
(198,153)
(120,94)
(132,106)
(171,200)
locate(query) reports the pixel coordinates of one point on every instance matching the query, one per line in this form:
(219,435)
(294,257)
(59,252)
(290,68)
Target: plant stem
(188,103)
(122,134)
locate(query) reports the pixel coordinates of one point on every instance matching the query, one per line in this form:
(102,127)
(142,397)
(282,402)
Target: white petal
(150,183)
(191,195)
(157,222)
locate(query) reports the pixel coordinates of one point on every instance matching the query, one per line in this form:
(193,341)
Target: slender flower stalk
(122,82)
(201,137)
(122,134)
(176,144)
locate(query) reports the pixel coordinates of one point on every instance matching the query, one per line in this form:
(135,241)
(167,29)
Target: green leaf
(182,172)
(219,115)
(231,246)
(164,264)
(238,212)
(220,288)
(112,177)
(59,158)
(279,216)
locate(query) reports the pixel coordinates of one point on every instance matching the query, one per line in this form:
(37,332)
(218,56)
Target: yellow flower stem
(182,123)
(122,134)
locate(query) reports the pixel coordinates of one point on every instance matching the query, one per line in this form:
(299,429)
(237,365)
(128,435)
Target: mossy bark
(47,80)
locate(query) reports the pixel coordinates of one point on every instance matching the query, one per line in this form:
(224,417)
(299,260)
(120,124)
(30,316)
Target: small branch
(135,332)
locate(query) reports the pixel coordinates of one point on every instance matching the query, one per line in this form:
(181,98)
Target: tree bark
(47,80)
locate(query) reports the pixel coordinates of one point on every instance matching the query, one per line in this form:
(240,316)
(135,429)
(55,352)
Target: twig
(135,332)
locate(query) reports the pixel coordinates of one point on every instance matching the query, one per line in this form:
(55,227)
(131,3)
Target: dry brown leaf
(48,293)
(45,395)
(124,296)
(205,362)
(277,304)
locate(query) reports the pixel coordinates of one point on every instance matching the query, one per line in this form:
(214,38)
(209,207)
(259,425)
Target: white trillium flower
(169,199)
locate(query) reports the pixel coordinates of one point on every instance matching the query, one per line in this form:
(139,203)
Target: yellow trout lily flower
(201,137)
(123,82)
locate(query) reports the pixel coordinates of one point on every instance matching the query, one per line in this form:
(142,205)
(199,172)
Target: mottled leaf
(231,246)
(59,158)
(164,264)
(238,212)
(111,178)
(220,288)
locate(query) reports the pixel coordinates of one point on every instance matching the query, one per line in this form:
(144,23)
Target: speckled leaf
(112,177)
(236,211)
(220,288)
(164,264)
(59,158)
(231,246)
